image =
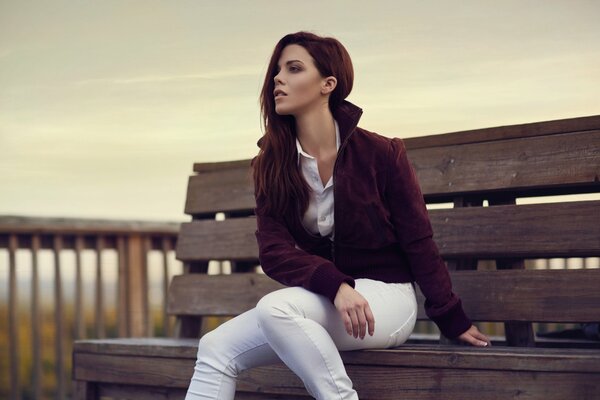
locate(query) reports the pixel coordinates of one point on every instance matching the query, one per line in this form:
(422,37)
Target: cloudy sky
(105,105)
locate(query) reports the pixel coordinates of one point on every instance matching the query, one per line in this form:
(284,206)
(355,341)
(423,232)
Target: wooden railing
(130,245)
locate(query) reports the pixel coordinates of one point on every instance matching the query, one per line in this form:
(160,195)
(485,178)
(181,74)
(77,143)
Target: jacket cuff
(327,279)
(454,322)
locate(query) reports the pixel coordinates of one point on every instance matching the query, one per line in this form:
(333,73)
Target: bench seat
(489,373)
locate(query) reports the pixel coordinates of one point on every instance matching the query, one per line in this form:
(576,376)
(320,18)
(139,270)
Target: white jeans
(305,331)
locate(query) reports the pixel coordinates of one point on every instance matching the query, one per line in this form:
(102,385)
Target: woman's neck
(316,131)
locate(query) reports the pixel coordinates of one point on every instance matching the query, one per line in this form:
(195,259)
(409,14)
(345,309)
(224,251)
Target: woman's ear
(328,85)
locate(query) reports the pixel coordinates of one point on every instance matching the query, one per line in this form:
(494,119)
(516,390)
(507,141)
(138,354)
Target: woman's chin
(282,110)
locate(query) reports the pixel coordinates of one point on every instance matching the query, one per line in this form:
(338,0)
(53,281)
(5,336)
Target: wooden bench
(466,168)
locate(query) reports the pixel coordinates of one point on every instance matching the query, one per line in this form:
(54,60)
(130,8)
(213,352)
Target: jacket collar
(347,115)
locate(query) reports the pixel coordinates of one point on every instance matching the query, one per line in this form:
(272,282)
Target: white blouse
(318,218)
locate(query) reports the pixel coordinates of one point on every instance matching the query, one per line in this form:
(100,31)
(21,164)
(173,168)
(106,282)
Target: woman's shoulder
(375,140)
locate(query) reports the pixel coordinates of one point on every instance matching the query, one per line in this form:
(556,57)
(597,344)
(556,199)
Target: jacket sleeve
(281,260)
(415,234)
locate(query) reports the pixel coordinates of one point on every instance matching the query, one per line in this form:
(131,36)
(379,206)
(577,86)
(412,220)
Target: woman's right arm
(281,260)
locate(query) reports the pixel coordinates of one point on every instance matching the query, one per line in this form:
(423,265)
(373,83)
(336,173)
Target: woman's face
(299,80)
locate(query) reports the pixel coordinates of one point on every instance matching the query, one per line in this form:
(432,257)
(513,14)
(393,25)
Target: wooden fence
(131,240)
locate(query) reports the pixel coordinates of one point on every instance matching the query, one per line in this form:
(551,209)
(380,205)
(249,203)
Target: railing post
(136,286)
(13,328)
(58,319)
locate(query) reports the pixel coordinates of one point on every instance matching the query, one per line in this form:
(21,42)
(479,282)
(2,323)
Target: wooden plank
(162,393)
(84,226)
(406,355)
(230,189)
(163,372)
(113,391)
(569,229)
(434,383)
(531,129)
(570,159)
(527,295)
(198,294)
(523,165)
(373,381)
(512,295)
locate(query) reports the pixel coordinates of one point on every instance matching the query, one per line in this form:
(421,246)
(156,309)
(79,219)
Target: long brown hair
(277,179)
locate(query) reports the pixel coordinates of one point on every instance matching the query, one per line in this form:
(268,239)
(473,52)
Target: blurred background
(106,105)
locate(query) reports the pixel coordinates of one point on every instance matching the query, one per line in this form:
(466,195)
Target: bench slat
(492,373)
(521,164)
(509,295)
(533,230)
(422,355)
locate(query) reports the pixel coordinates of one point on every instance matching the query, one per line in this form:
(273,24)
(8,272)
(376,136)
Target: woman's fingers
(355,311)
(347,323)
(474,337)
(355,322)
(370,320)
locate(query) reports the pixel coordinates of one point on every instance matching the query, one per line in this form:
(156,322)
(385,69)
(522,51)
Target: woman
(342,222)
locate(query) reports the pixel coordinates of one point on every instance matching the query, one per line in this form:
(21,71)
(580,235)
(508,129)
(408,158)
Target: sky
(106,105)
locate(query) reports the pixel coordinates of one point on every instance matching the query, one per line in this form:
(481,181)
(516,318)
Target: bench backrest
(465,168)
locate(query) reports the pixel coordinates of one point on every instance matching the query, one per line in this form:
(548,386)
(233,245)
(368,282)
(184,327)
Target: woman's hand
(355,311)
(474,337)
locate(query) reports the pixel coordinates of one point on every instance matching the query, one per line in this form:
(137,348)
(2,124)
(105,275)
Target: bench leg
(83,390)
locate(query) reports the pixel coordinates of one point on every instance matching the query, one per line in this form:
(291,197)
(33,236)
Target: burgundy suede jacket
(382,229)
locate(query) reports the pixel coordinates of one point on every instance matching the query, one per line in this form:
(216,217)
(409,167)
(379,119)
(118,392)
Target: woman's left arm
(415,234)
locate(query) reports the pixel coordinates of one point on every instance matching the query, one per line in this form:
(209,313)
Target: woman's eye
(294,69)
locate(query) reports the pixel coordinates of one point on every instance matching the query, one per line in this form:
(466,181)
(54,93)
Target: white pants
(305,331)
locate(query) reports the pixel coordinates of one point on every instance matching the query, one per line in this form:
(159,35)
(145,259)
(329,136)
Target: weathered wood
(479,232)
(165,285)
(122,287)
(420,355)
(521,165)
(381,383)
(494,372)
(59,363)
(99,294)
(509,295)
(199,294)
(135,290)
(79,330)
(162,393)
(83,226)
(13,320)
(36,338)
(83,390)
(514,131)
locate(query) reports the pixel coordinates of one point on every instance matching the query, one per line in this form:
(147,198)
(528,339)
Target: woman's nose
(277,79)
